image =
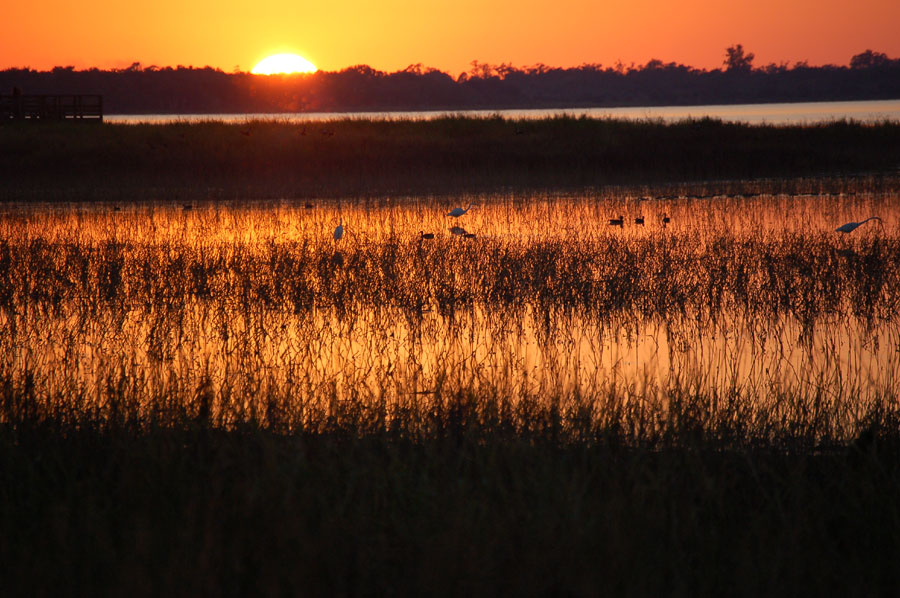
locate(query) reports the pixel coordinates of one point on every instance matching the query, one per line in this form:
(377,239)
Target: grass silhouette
(268,159)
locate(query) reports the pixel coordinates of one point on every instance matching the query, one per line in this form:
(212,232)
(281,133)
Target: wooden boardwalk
(44,108)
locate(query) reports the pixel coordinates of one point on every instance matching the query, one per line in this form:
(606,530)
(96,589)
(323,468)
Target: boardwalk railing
(20,107)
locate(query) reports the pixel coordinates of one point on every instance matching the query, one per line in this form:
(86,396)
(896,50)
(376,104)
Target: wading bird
(620,221)
(339,231)
(457,212)
(852,226)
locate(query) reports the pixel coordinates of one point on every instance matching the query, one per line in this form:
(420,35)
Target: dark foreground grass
(192,511)
(453,154)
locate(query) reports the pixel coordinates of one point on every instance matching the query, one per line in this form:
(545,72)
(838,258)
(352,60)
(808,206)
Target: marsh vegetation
(224,399)
(753,312)
(365,158)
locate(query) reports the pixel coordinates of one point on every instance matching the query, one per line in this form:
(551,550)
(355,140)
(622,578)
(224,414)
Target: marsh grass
(753,311)
(346,157)
(224,400)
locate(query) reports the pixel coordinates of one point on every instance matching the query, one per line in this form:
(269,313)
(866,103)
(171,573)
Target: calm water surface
(797,113)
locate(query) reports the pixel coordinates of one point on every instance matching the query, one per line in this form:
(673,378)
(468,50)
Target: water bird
(457,212)
(424,235)
(665,219)
(639,220)
(469,235)
(617,221)
(852,226)
(339,231)
(458,230)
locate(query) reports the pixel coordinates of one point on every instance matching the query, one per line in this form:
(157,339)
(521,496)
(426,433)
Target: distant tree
(480,70)
(774,69)
(506,69)
(869,59)
(362,69)
(737,60)
(537,69)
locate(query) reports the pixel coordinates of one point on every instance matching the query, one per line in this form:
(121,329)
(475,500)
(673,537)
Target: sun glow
(277,64)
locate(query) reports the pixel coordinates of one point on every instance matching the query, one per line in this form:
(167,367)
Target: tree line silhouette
(182,90)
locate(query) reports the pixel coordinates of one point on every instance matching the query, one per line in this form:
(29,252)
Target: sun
(277,64)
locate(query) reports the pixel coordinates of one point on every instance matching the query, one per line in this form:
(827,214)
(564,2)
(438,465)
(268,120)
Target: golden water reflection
(387,355)
(90,352)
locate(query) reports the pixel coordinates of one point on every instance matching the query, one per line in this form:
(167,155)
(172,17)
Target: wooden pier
(17,107)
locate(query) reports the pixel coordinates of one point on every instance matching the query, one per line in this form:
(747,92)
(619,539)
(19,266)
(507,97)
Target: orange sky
(445,34)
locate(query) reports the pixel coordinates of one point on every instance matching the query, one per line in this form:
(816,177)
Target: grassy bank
(453,154)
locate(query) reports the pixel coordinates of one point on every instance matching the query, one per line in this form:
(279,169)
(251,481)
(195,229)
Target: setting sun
(283,64)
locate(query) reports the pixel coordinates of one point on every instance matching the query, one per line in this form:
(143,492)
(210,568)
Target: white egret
(852,226)
(457,212)
(339,231)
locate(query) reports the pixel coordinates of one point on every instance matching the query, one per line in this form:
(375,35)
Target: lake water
(776,114)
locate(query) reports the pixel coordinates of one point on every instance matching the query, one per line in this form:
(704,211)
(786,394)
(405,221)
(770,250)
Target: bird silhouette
(424,235)
(458,230)
(617,221)
(852,226)
(457,212)
(639,220)
(339,231)
(665,219)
